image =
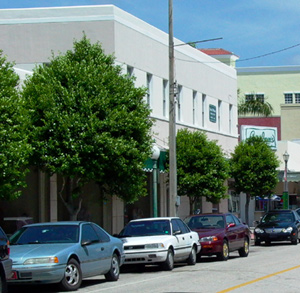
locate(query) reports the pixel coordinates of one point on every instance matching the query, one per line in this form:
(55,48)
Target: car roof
(210,214)
(60,223)
(157,218)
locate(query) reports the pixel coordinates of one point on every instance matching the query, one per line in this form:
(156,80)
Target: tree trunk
(69,202)
(247,209)
(191,201)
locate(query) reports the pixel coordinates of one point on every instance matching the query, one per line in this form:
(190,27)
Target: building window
(179,101)
(203,109)
(165,97)
(288,98)
(219,114)
(249,97)
(252,97)
(149,88)
(194,107)
(297,98)
(230,118)
(129,70)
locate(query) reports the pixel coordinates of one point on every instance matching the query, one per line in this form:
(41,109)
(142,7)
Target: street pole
(172,121)
(285,194)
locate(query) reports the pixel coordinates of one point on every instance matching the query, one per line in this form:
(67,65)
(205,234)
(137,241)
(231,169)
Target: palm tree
(255,106)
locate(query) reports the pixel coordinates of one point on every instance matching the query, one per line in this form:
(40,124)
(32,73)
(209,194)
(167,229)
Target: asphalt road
(274,268)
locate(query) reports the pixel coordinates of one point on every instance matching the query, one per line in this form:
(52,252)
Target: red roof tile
(217,51)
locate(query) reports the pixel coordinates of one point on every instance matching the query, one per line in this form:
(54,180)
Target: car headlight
(41,260)
(287,230)
(208,238)
(258,230)
(154,245)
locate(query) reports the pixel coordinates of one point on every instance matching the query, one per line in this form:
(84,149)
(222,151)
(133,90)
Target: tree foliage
(14,149)
(256,107)
(89,122)
(201,167)
(253,167)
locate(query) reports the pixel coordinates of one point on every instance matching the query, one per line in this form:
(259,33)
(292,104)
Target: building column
(53,198)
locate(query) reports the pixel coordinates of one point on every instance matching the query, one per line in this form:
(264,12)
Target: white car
(162,240)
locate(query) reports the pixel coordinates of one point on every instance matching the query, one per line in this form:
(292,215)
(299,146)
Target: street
(274,268)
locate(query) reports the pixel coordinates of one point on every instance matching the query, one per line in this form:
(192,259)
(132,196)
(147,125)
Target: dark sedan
(278,225)
(220,234)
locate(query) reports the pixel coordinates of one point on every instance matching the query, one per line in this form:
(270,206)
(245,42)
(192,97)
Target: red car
(220,234)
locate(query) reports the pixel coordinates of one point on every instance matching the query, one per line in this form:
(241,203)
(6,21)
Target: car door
(180,245)
(93,252)
(188,238)
(240,232)
(231,232)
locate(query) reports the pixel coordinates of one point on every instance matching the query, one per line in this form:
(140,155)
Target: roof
(216,51)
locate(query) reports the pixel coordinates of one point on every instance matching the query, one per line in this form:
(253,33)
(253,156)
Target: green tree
(14,149)
(89,123)
(253,167)
(201,167)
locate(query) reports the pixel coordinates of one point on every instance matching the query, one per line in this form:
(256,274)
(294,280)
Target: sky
(260,32)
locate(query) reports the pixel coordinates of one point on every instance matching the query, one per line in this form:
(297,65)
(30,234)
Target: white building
(207,88)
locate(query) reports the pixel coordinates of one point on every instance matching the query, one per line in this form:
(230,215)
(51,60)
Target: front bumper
(145,257)
(211,247)
(274,236)
(38,274)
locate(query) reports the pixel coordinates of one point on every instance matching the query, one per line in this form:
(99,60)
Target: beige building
(206,96)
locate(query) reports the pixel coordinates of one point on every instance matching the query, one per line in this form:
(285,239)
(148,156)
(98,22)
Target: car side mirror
(231,225)
(176,232)
(86,242)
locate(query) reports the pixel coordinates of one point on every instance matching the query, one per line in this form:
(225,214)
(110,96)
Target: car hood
(146,239)
(19,253)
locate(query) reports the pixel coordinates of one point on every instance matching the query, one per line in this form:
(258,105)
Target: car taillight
(8,248)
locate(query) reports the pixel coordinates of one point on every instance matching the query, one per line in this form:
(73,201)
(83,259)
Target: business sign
(268,133)
(212,113)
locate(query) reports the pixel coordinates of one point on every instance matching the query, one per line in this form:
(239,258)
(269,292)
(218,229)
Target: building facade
(206,96)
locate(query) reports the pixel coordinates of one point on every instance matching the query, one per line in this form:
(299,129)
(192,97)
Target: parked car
(220,234)
(5,261)
(278,225)
(64,253)
(162,240)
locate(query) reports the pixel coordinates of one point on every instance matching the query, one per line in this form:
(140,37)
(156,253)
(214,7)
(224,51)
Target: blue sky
(249,29)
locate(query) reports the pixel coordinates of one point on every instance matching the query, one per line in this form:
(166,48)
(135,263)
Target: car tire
(114,272)
(224,254)
(192,259)
(294,240)
(72,277)
(244,251)
(168,264)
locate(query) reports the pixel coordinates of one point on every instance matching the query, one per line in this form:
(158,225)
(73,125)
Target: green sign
(212,113)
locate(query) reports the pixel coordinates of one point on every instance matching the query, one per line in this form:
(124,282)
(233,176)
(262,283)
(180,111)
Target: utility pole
(172,121)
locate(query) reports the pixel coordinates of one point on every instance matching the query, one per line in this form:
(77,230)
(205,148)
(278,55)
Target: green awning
(161,163)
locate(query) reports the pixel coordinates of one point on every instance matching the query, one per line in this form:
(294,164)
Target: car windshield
(46,234)
(278,217)
(206,222)
(147,228)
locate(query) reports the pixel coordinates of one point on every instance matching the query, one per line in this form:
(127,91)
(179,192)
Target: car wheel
(168,264)
(114,272)
(192,259)
(72,277)
(295,239)
(224,255)
(244,251)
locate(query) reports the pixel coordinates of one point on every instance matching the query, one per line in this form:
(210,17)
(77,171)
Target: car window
(278,217)
(175,226)
(184,229)
(45,234)
(229,219)
(146,228)
(89,234)
(101,234)
(236,220)
(206,222)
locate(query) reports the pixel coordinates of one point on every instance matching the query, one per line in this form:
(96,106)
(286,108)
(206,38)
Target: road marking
(258,279)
